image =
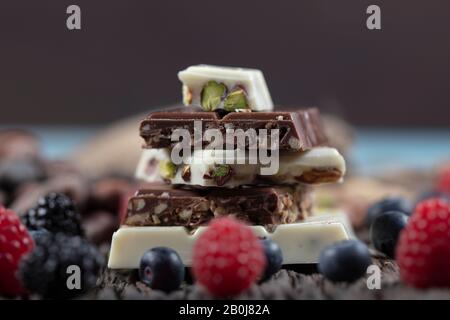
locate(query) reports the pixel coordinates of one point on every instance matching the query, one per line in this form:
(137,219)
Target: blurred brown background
(313,52)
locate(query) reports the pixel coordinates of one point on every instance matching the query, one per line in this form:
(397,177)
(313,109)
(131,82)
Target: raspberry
(228,257)
(443,184)
(55,213)
(45,270)
(15,242)
(423,252)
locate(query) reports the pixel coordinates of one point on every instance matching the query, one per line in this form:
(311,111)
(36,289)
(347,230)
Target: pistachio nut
(167,169)
(212,95)
(222,174)
(236,99)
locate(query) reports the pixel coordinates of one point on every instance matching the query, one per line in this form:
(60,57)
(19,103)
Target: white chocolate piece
(194,79)
(301,243)
(318,158)
(291,166)
(145,169)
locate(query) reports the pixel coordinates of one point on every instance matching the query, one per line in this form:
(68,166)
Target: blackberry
(38,233)
(45,270)
(55,213)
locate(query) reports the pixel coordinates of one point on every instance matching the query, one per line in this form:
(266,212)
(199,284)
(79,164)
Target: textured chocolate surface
(300,282)
(300,130)
(158,205)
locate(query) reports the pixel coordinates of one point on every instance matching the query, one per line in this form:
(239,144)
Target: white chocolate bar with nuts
(226,168)
(252,81)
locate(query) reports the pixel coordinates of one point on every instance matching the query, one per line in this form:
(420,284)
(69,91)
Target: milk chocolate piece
(161,205)
(298,131)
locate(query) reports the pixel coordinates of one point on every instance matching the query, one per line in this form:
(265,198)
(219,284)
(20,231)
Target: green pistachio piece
(222,174)
(221,170)
(212,95)
(167,169)
(237,99)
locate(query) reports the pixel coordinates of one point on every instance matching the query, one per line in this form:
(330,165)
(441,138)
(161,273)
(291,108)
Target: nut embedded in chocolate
(212,95)
(186,174)
(167,169)
(221,174)
(235,100)
(320,176)
(187,95)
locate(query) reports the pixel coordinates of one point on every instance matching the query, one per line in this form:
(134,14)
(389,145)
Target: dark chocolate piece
(161,205)
(300,130)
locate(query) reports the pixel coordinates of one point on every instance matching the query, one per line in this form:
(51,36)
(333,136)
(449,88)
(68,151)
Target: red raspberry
(423,252)
(228,257)
(443,183)
(15,242)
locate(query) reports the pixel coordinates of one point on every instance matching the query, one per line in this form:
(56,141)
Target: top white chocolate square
(252,81)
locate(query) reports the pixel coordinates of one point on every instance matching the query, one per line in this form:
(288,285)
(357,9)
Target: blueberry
(274,258)
(388,204)
(385,231)
(345,261)
(161,268)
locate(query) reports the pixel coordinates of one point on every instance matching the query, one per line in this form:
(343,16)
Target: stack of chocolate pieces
(228,153)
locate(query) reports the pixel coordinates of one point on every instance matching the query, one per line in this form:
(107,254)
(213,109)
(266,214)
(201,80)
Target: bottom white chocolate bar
(301,243)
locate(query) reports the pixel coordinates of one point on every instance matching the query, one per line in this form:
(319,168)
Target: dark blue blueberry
(385,231)
(345,261)
(388,204)
(432,194)
(161,268)
(274,258)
